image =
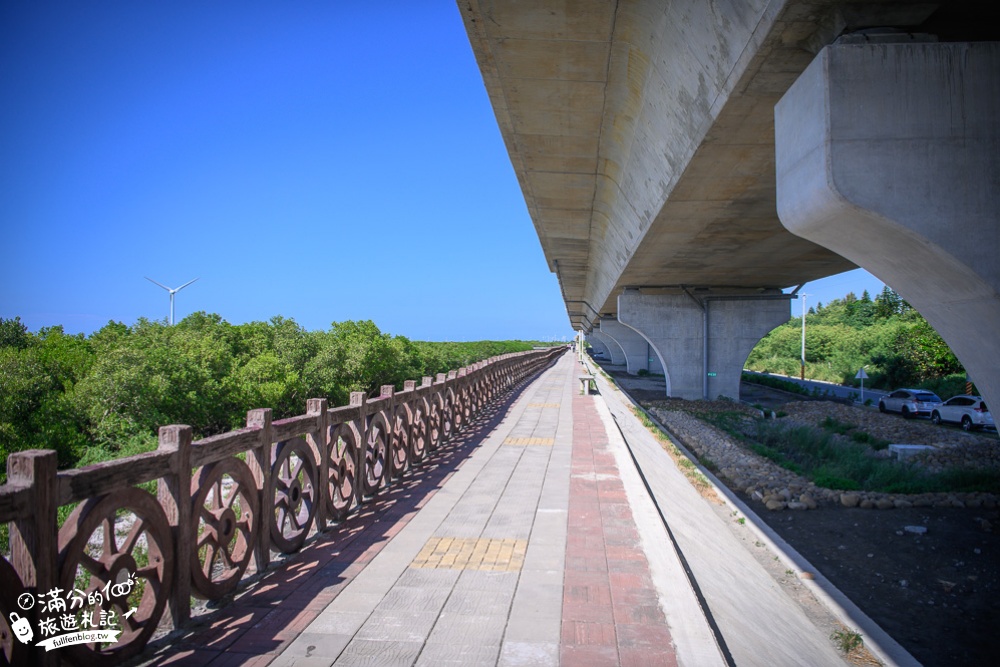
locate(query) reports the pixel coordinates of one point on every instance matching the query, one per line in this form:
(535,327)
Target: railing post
(34,540)
(358,400)
(260,465)
(319,439)
(174,493)
(387,393)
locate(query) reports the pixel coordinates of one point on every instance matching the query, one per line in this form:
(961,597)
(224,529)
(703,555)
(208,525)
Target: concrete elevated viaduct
(686,161)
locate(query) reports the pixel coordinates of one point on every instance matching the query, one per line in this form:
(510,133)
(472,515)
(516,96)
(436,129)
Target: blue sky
(320,161)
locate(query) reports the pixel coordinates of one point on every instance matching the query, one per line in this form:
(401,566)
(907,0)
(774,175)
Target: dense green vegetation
(895,344)
(97,397)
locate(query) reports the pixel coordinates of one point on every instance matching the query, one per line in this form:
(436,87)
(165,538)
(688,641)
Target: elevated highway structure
(672,198)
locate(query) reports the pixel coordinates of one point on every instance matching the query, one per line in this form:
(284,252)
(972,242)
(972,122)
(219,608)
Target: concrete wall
(889,155)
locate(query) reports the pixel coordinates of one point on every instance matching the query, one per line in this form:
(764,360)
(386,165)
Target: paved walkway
(530,540)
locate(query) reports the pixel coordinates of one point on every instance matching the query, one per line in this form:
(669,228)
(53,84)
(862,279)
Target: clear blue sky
(323,161)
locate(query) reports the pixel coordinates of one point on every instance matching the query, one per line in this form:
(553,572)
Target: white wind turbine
(172,292)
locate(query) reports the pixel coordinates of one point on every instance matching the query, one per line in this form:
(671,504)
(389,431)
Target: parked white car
(969,411)
(909,402)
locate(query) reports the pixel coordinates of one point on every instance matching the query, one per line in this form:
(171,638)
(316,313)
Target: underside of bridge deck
(642,132)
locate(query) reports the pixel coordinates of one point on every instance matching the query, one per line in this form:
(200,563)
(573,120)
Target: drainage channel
(692,580)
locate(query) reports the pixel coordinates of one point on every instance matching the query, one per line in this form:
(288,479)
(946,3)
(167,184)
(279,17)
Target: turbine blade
(185,285)
(156,283)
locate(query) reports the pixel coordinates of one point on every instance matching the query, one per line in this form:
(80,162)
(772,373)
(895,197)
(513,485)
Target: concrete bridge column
(638,351)
(703,338)
(599,347)
(889,155)
(615,352)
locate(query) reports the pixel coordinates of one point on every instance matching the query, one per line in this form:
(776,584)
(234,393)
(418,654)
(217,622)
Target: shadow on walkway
(252,626)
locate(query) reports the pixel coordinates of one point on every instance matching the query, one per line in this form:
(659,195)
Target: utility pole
(802,373)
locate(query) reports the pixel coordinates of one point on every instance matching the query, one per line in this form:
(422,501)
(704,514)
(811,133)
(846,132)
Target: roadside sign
(711,375)
(862,376)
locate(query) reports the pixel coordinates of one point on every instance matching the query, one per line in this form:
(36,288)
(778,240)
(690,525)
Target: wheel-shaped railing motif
(419,432)
(342,474)
(292,494)
(225,515)
(458,412)
(375,454)
(470,402)
(435,429)
(12,650)
(399,442)
(479,392)
(117,550)
(448,414)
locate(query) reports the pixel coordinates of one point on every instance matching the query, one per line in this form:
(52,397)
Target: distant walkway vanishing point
(534,540)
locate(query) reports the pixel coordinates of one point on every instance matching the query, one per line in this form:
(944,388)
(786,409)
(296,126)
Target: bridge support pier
(889,155)
(599,347)
(639,355)
(703,337)
(615,352)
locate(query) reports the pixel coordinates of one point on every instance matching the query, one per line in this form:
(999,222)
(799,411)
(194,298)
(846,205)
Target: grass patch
(835,426)
(844,464)
(850,430)
(847,641)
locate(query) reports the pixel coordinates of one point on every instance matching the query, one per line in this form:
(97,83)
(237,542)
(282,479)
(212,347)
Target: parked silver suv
(969,411)
(909,402)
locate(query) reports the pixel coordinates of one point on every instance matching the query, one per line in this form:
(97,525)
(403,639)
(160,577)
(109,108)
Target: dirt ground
(937,592)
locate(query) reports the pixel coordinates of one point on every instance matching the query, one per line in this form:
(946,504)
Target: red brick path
(610,611)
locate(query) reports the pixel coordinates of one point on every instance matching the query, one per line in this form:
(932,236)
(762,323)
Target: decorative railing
(150,531)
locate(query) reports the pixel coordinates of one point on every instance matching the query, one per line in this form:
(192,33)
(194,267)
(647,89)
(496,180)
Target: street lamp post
(802,372)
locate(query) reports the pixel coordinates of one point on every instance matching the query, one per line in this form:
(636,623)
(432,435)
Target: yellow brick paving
(454,553)
(546,442)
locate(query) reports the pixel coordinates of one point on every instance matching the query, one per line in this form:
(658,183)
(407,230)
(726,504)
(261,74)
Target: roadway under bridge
(685,162)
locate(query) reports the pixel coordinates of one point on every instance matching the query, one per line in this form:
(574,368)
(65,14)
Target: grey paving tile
(318,645)
(414,599)
(458,655)
(404,626)
(532,629)
(479,603)
(544,557)
(465,629)
(529,654)
(369,653)
(356,598)
(339,622)
(503,583)
(285,660)
(429,578)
